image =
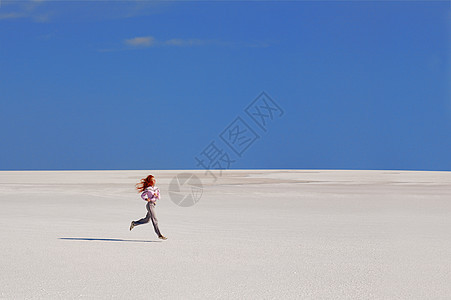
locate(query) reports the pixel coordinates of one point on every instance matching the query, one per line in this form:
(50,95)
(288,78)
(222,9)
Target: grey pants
(149,216)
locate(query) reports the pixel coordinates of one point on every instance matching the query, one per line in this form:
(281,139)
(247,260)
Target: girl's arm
(145,196)
(154,196)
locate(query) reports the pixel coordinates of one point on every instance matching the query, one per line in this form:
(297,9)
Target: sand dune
(285,234)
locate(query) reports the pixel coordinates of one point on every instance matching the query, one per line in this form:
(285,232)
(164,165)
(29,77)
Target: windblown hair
(144,183)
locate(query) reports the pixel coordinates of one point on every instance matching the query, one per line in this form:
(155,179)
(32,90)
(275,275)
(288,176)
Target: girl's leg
(151,210)
(143,220)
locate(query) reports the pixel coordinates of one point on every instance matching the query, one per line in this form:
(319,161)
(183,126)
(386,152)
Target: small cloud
(187,42)
(149,41)
(43,18)
(143,41)
(46,37)
(30,9)
(12,15)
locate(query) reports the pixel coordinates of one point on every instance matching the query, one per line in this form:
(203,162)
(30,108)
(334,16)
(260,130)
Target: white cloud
(143,41)
(42,18)
(54,10)
(23,9)
(11,15)
(150,41)
(185,42)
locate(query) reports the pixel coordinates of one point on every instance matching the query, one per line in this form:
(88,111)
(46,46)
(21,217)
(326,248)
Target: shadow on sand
(108,240)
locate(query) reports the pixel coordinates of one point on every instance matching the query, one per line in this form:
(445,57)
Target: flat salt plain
(254,234)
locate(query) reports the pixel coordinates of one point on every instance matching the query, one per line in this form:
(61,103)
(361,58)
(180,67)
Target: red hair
(144,183)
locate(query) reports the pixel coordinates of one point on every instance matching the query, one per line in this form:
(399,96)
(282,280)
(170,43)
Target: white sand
(254,234)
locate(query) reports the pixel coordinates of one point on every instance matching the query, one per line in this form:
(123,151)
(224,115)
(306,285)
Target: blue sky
(149,85)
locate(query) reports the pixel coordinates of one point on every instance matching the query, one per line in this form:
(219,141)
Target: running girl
(149,193)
